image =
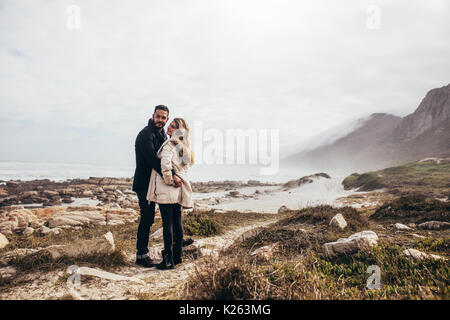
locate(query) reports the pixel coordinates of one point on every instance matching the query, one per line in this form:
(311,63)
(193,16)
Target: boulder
(50,193)
(59,221)
(434,225)
(7,272)
(87,194)
(28,231)
(3,241)
(338,221)
(400,226)
(67,200)
(356,242)
(234,194)
(17,253)
(45,230)
(7,227)
(283,209)
(28,194)
(12,184)
(103,245)
(419,255)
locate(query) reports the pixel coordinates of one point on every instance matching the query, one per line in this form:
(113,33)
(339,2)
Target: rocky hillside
(386,140)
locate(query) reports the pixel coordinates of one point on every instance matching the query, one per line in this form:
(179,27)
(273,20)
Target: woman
(175,154)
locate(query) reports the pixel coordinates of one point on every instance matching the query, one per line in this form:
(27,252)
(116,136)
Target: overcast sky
(82,95)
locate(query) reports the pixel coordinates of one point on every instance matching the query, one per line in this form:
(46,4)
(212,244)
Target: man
(148,142)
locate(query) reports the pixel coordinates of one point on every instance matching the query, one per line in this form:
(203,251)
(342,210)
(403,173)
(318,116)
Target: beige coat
(174,156)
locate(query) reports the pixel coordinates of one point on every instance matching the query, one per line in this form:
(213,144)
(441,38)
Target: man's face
(160,118)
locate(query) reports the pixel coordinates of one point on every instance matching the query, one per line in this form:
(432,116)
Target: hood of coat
(180,139)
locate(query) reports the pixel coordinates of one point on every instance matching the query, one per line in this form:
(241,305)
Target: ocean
(26,171)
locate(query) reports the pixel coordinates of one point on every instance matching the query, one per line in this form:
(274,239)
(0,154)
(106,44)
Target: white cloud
(300,67)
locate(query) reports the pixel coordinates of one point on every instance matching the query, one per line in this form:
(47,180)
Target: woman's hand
(177,180)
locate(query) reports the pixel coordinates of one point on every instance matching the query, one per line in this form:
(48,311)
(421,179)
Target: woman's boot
(167,261)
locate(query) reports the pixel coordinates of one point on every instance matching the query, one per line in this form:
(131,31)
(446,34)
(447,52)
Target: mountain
(385,140)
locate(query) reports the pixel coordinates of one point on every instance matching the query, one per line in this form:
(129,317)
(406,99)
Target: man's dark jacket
(147,144)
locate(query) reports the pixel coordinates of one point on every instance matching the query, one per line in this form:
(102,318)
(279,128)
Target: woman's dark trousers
(172,230)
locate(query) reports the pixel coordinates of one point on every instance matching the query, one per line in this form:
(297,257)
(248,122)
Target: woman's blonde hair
(182,124)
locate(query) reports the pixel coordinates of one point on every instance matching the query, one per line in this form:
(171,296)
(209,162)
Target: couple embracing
(161,177)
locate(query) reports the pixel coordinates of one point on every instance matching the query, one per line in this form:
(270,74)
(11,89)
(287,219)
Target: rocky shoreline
(105,190)
(46,206)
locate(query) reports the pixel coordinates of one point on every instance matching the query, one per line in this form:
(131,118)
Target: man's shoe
(187,242)
(146,262)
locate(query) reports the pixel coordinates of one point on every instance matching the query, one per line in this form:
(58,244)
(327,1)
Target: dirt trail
(155,283)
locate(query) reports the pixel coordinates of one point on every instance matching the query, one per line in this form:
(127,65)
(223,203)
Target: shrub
(201,226)
(416,207)
(364,182)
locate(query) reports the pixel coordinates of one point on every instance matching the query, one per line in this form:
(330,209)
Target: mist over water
(25,171)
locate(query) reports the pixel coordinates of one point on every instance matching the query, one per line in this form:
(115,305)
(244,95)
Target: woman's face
(172,127)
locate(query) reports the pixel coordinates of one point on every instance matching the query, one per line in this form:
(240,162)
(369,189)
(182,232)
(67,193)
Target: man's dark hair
(161,107)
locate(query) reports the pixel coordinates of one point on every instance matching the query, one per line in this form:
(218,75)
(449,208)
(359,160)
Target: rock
(112,206)
(3,192)
(265,253)
(67,200)
(7,272)
(103,245)
(35,224)
(400,226)
(12,184)
(87,194)
(338,221)
(418,236)
(18,253)
(107,275)
(28,194)
(356,242)
(158,234)
(3,241)
(28,231)
(419,255)
(7,227)
(283,209)
(110,188)
(219,211)
(129,192)
(434,225)
(50,193)
(45,230)
(59,221)
(234,194)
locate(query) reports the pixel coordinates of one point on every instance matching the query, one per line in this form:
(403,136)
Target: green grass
(298,268)
(426,174)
